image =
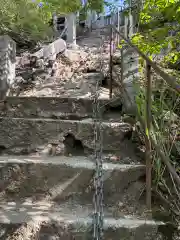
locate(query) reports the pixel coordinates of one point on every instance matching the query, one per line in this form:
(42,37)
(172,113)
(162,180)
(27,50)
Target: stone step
(33,132)
(53,107)
(63,178)
(70,222)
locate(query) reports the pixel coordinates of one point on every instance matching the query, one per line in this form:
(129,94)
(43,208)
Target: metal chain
(98,178)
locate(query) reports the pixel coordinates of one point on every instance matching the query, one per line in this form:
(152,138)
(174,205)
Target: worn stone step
(63,178)
(34,132)
(70,222)
(52,107)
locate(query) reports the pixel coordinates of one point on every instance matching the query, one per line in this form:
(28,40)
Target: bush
(24,21)
(28,21)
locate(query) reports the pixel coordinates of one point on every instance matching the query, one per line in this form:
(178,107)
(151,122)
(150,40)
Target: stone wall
(130,68)
(7,64)
(130,76)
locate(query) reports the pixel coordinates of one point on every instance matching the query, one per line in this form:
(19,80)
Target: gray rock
(34,132)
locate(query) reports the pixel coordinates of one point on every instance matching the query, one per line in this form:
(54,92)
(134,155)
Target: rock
(54,69)
(34,132)
(50,51)
(23,61)
(72,55)
(50,63)
(20,79)
(25,74)
(115,102)
(33,60)
(46,151)
(47,237)
(68,69)
(40,63)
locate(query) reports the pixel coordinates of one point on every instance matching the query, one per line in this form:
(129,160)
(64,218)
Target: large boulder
(50,51)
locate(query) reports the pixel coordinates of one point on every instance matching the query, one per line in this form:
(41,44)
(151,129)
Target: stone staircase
(47,179)
(47,168)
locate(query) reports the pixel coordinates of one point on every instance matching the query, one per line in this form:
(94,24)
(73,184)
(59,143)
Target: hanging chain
(98,178)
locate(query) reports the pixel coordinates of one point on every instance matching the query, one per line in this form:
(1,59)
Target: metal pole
(147,136)
(122,65)
(110,63)
(118,18)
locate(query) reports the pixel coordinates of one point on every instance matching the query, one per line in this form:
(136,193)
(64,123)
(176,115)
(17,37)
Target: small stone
(46,150)
(40,63)
(115,158)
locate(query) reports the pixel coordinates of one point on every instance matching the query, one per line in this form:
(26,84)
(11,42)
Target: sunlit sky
(119,3)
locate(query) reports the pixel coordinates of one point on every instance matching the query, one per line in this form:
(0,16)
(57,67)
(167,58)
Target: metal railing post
(111,63)
(147,136)
(122,65)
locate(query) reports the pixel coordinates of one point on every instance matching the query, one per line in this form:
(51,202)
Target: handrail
(146,123)
(170,80)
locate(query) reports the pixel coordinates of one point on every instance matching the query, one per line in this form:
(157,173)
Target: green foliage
(97,5)
(82,15)
(23,20)
(156,20)
(63,6)
(27,22)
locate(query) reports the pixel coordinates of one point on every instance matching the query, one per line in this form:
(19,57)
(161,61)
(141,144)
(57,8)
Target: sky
(107,10)
(119,3)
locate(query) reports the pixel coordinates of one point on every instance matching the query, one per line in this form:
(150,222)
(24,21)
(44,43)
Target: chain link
(98,178)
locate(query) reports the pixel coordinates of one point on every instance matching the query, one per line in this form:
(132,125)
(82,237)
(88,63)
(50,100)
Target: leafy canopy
(28,20)
(159,27)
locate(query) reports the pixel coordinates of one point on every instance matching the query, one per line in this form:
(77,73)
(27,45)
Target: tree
(27,21)
(23,20)
(159,27)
